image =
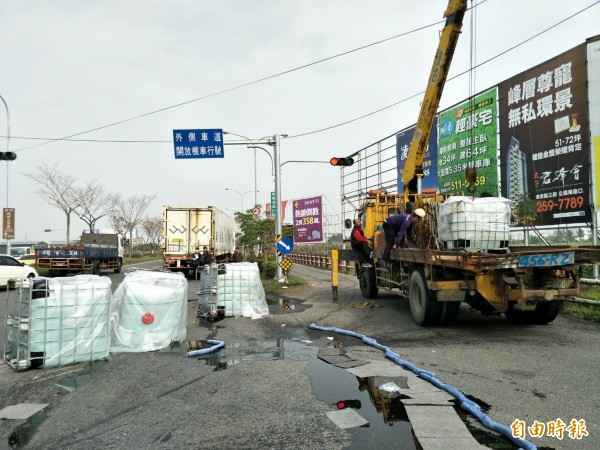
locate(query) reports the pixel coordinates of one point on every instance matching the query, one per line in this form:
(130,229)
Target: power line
(68,138)
(109,141)
(449,79)
(240,86)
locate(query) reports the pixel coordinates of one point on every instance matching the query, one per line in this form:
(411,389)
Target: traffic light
(8,156)
(343,404)
(341,162)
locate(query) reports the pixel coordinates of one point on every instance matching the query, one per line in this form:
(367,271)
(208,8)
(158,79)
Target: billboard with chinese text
(468,138)
(308,220)
(403,139)
(593,63)
(544,143)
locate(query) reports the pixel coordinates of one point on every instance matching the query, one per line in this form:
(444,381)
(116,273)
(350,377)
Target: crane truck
(461,251)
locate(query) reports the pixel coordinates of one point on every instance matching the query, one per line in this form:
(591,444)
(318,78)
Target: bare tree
(153,228)
(94,203)
(118,225)
(57,188)
(128,214)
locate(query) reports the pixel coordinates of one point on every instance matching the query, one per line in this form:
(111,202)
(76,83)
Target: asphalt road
(264,392)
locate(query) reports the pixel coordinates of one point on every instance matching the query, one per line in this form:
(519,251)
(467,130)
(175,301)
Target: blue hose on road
(204,351)
(466,404)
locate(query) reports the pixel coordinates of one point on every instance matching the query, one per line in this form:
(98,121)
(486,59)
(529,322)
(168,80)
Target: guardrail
(320,260)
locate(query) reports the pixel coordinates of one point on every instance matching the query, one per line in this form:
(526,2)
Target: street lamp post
(52,230)
(275,143)
(276,162)
(241,197)
(7,150)
(255,173)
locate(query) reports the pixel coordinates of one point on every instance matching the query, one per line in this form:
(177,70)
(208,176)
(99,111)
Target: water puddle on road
(22,433)
(238,352)
(388,422)
(388,425)
(283,305)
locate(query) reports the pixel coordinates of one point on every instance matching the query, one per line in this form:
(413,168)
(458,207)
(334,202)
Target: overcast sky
(72,66)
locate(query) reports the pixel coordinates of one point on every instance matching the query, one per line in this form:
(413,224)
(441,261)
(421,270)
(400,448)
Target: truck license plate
(547,260)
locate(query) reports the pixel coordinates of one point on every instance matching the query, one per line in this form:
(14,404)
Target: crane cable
(471,171)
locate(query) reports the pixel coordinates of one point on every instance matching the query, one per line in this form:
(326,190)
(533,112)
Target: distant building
(20,248)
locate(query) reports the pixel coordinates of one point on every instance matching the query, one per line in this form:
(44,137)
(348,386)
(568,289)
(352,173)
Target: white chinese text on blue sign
(198,144)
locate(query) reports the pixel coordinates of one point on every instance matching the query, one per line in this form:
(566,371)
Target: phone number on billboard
(563,203)
(457,185)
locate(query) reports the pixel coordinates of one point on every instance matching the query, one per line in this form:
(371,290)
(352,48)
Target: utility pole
(7,159)
(275,143)
(278,217)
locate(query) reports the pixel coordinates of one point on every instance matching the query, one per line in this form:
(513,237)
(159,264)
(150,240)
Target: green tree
(256,232)
(524,213)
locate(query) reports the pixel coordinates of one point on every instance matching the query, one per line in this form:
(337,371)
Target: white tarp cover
(148,311)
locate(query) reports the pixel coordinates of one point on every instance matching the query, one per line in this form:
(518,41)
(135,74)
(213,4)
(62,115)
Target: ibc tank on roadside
(148,311)
(57,321)
(233,290)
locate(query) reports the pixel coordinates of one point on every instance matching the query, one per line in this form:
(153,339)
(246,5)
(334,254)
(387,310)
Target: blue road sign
(285,245)
(198,144)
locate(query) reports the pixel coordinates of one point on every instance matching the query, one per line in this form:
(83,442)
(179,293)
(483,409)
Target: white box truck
(185,228)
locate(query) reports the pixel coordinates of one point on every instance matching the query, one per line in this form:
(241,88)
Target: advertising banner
(403,139)
(544,141)
(593,73)
(308,220)
(468,138)
(8,223)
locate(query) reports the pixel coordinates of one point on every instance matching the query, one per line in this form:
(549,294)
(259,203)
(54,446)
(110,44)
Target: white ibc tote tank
(148,311)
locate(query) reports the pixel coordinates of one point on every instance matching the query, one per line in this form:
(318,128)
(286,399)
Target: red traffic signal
(343,404)
(341,162)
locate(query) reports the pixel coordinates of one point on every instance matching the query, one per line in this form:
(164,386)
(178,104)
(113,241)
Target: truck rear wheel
(546,312)
(96,268)
(449,312)
(368,282)
(425,309)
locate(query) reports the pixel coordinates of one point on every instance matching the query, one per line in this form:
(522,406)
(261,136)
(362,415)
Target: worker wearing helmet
(395,228)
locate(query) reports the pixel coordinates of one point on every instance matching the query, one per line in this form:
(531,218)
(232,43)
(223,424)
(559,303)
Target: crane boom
(413,168)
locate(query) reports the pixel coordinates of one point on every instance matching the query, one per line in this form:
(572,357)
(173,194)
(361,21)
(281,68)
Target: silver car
(11,268)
